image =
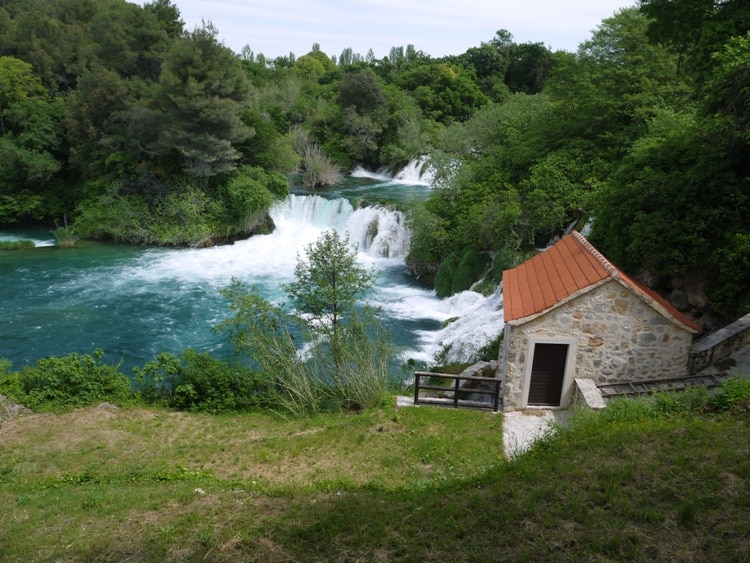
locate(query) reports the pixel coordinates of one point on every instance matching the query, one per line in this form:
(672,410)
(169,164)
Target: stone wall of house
(618,336)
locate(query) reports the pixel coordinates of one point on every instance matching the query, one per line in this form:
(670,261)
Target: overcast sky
(436,27)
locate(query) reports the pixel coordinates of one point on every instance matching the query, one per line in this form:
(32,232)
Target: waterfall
(416,172)
(376,230)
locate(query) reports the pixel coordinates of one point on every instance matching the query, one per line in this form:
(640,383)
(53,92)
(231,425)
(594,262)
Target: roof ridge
(606,264)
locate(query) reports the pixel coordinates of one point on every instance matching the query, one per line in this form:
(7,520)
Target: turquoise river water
(135,302)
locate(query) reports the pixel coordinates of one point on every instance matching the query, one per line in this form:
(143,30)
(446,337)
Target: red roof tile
(570,266)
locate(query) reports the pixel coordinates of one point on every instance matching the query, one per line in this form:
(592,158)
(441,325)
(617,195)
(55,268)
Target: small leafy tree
(327,289)
(329,283)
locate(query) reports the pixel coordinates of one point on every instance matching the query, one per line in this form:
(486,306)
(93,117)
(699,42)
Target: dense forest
(118,123)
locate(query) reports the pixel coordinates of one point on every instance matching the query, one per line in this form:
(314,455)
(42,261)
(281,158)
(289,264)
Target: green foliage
(75,380)
(248,200)
(185,215)
(446,93)
(202,93)
(504,260)
(328,282)
(444,276)
(17,244)
(64,237)
(20,207)
(181,217)
(429,241)
(731,394)
(728,92)
(30,129)
(469,270)
(458,273)
(197,382)
(665,201)
(690,401)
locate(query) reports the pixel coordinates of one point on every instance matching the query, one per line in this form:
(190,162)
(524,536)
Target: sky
(436,27)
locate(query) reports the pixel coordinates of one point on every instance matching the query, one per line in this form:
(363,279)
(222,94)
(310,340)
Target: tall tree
(696,29)
(30,139)
(203,93)
(327,290)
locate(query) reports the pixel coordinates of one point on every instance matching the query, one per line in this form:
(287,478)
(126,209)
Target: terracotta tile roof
(569,267)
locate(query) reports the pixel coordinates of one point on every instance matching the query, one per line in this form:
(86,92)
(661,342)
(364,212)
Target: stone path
(522,428)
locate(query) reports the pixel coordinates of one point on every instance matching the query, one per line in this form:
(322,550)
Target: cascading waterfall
(416,172)
(376,230)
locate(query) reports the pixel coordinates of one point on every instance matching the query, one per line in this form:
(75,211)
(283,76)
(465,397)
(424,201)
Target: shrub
(64,237)
(318,169)
(444,276)
(71,381)
(692,400)
(248,199)
(469,270)
(730,394)
(197,382)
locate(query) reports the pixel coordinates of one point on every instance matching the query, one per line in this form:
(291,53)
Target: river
(135,302)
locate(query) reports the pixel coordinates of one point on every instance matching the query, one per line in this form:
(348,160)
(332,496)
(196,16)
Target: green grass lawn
(414,484)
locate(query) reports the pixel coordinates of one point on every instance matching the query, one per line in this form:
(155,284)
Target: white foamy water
(37,237)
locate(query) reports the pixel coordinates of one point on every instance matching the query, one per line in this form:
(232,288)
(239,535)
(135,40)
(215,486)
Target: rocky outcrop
(10,410)
(688,295)
(479,369)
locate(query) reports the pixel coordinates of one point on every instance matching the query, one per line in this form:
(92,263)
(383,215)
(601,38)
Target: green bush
(74,380)
(692,400)
(444,276)
(64,237)
(730,394)
(469,270)
(197,382)
(696,400)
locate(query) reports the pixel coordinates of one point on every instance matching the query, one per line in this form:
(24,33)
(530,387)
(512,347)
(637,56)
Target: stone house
(570,313)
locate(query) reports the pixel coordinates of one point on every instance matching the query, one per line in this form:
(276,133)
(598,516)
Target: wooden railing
(457,391)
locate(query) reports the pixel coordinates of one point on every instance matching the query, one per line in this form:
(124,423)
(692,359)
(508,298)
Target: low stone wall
(587,394)
(719,345)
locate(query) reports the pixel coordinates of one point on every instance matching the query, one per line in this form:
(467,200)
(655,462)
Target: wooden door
(547,374)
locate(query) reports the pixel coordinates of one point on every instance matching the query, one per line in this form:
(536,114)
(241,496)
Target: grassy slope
(413,484)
